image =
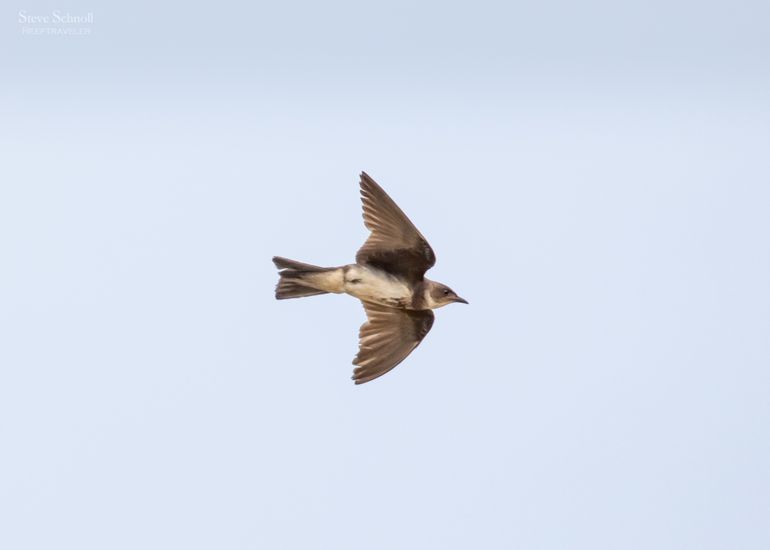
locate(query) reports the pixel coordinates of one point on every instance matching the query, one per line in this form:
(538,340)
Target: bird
(388,277)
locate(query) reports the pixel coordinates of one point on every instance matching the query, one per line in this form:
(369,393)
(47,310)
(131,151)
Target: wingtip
(357,377)
(367,180)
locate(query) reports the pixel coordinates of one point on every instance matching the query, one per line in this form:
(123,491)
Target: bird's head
(440,295)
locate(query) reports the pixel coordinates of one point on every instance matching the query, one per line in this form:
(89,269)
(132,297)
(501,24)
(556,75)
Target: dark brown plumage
(395,245)
(387,338)
(389,279)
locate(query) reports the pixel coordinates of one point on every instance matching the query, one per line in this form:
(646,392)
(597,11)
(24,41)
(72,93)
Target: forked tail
(290,285)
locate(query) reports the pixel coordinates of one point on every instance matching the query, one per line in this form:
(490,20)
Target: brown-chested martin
(389,279)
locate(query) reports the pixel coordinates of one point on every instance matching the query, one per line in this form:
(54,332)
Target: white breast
(374,285)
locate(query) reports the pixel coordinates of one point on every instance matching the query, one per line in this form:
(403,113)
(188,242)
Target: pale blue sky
(593,177)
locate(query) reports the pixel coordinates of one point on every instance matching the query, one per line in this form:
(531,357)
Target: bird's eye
(446,293)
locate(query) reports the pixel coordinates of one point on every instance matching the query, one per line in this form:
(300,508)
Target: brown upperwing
(395,245)
(387,338)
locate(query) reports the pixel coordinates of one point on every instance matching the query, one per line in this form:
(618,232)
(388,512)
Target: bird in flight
(389,279)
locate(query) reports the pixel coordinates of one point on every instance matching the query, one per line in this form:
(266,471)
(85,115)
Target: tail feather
(286,263)
(289,285)
(289,289)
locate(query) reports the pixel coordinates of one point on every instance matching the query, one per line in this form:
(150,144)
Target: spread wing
(387,338)
(395,245)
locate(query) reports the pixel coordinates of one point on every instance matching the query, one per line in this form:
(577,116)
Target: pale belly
(373,285)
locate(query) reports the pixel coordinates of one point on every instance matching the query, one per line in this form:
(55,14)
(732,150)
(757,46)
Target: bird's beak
(461,300)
